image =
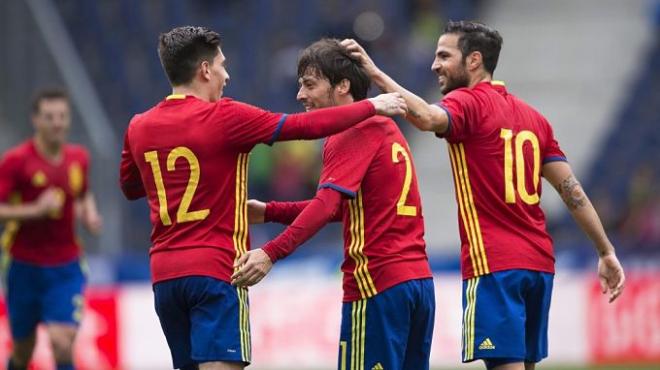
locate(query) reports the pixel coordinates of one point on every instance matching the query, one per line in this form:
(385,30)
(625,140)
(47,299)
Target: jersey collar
(175,97)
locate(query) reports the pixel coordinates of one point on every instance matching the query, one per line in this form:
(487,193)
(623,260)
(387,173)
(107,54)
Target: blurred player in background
(368,182)
(43,187)
(499,147)
(189,156)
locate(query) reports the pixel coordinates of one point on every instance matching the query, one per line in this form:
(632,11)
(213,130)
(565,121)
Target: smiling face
(449,64)
(315,91)
(52,121)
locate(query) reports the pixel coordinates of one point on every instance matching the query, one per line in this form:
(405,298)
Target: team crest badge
(39,179)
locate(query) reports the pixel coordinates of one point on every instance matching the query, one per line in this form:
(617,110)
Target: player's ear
(344,87)
(474,60)
(205,70)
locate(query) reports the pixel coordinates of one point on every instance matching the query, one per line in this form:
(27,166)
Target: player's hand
(611,276)
(256,211)
(357,52)
(390,104)
(49,203)
(252,267)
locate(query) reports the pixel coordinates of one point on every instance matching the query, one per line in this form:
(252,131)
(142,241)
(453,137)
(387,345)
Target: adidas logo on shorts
(487,344)
(378,366)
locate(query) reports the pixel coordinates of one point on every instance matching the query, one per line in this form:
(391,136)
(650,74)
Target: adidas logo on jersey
(487,344)
(378,366)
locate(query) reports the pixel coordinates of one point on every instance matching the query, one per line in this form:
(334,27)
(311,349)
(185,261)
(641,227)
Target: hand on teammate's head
(357,52)
(390,104)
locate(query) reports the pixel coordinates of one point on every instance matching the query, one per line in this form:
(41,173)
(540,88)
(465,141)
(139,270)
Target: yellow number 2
(182,214)
(401,208)
(521,138)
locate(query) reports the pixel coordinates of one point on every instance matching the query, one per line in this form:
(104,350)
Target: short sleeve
(9,165)
(346,157)
(463,111)
(250,125)
(551,152)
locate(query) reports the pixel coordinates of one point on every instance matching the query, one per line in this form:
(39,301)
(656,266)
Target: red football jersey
(191,156)
(497,147)
(383,224)
(24,175)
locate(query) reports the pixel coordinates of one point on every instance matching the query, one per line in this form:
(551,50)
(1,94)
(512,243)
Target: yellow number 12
(182,214)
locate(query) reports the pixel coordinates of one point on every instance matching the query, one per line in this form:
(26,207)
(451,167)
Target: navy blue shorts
(391,330)
(204,319)
(43,294)
(505,316)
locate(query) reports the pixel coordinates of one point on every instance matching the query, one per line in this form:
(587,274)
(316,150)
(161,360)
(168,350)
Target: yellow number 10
(521,138)
(182,214)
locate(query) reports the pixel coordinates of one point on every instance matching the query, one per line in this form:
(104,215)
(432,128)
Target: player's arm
(129,174)
(50,201)
(253,125)
(425,116)
(87,212)
(610,272)
(281,212)
(255,264)
(329,121)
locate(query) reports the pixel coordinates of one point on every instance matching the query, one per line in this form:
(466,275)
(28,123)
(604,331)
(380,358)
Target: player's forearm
(284,212)
(325,122)
(585,215)
(424,116)
(90,211)
(89,204)
(21,212)
(313,217)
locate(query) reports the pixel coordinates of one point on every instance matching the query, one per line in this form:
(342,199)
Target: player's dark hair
(183,48)
(329,59)
(475,36)
(50,93)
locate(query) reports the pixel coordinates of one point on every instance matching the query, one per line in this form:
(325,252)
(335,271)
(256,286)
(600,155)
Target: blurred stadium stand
(573,62)
(624,180)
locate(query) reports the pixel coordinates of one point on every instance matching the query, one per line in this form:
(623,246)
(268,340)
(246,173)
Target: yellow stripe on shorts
(468,318)
(358,333)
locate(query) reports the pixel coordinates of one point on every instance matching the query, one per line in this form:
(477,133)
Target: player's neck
(52,153)
(478,78)
(192,90)
(344,100)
